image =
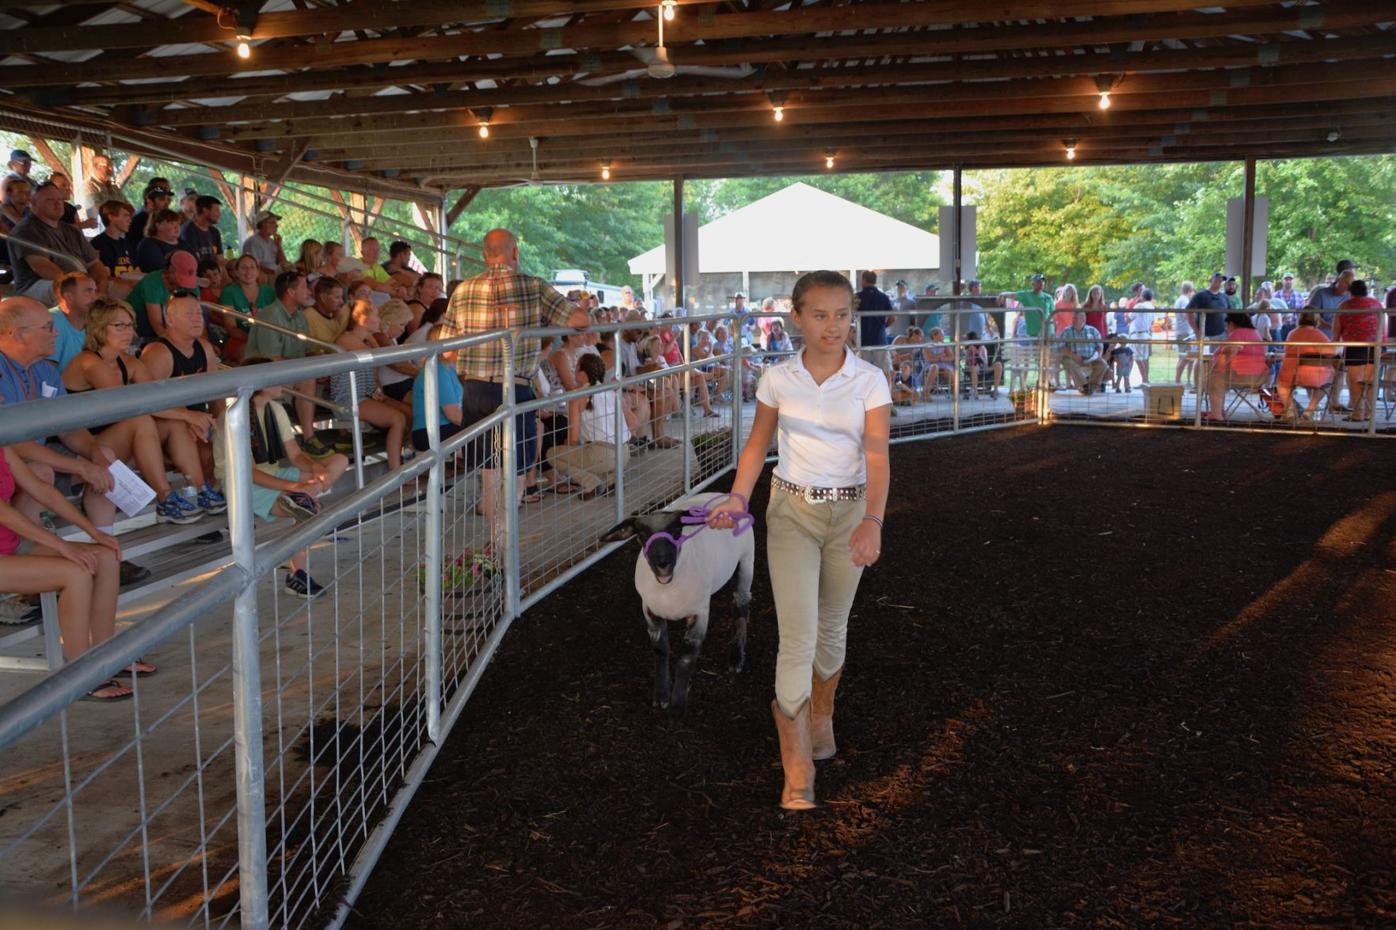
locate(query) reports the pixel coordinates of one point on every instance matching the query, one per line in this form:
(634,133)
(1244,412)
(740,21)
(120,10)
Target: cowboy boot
(821,717)
(798,791)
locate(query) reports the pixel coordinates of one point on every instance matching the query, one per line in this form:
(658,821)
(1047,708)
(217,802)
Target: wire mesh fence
(1330,372)
(254,781)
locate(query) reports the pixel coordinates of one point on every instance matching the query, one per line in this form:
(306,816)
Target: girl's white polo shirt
(819,435)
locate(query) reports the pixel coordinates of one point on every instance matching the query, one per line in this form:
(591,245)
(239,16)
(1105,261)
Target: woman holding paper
(85,575)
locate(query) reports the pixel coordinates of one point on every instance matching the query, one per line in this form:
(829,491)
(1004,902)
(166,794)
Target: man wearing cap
(904,305)
(874,316)
(43,248)
(20,164)
(1036,304)
(157,198)
(1233,299)
(1209,307)
(1292,299)
(99,186)
(265,245)
(152,294)
(200,235)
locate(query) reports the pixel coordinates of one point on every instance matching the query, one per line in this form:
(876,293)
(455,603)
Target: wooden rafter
(1118,24)
(463,201)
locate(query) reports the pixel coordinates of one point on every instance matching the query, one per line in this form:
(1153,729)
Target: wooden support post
(357,224)
(49,157)
(959,224)
(1248,231)
(680,305)
(245,204)
(223,188)
(344,213)
(466,196)
(128,169)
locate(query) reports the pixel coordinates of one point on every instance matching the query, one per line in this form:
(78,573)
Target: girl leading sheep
(831,414)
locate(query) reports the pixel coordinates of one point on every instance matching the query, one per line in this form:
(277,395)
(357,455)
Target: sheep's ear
(620,532)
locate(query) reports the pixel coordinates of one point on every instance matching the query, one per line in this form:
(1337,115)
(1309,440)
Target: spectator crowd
(153,295)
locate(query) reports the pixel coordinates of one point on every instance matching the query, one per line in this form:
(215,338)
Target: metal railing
(262,786)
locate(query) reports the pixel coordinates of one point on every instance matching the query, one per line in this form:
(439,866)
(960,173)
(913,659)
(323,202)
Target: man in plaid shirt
(501,297)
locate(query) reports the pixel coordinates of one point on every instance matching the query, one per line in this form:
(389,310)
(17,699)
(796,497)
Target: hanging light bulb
(1105,83)
(484,130)
(1070,149)
(244,50)
(779,114)
(668,7)
(606,171)
(828,158)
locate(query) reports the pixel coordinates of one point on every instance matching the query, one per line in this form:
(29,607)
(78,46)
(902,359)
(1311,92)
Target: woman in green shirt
(245,295)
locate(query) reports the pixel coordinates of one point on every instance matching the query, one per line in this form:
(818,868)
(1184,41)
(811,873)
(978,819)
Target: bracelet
(877,520)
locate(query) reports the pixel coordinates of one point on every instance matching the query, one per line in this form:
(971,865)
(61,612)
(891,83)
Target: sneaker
(131,573)
(176,509)
(298,582)
(316,447)
(299,506)
(210,500)
(16,610)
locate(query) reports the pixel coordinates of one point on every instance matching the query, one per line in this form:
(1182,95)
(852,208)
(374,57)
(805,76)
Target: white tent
(802,228)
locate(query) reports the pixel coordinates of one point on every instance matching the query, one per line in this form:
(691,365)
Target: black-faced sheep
(676,581)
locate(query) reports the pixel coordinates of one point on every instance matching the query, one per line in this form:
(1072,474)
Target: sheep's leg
(692,645)
(736,652)
(659,638)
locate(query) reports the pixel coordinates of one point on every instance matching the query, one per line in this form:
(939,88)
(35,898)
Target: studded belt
(820,495)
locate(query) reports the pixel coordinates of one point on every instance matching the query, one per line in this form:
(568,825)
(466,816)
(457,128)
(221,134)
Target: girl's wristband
(877,520)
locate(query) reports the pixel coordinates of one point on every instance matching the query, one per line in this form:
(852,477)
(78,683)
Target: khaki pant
(814,580)
(592,465)
(1090,373)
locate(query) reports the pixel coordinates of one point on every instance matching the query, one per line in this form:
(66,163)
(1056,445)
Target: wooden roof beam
(370,15)
(1064,97)
(1326,115)
(1116,24)
(1369,47)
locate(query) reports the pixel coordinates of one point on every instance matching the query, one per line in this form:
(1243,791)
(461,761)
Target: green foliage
(595,227)
(1163,224)
(1160,224)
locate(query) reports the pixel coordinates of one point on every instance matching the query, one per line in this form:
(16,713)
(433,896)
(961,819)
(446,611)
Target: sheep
(678,582)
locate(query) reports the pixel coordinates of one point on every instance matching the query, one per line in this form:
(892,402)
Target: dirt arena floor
(1102,678)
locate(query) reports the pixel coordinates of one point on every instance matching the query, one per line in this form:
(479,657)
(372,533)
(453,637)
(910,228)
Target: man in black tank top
(183,351)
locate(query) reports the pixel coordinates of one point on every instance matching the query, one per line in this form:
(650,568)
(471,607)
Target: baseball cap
(1345,265)
(190,192)
(901,282)
(1231,279)
(1288,276)
(185,268)
(1038,276)
(21,155)
(158,190)
(739,294)
(266,215)
(1218,274)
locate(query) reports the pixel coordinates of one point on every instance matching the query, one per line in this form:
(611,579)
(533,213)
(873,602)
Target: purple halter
(742,521)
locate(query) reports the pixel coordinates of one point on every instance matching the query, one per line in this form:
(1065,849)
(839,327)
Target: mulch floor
(1102,678)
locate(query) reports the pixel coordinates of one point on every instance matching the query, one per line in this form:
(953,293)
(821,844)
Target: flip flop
(140,668)
(115,692)
(566,487)
(531,495)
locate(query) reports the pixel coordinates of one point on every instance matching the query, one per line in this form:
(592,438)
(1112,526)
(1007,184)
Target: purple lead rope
(742,520)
